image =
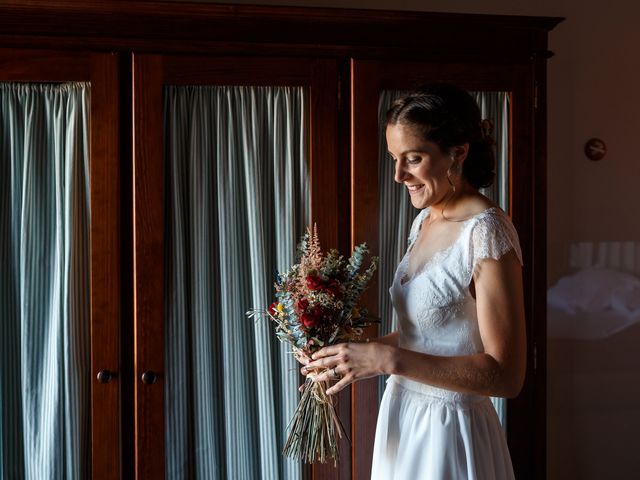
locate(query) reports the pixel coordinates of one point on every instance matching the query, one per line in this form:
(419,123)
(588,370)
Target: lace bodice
(435,308)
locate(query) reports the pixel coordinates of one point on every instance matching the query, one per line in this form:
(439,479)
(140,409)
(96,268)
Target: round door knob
(149,377)
(105,376)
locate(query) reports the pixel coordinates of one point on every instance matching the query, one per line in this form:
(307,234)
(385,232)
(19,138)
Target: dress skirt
(427,433)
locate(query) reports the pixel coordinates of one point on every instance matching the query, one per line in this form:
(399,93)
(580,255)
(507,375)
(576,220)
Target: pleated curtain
(237,201)
(44,282)
(396,212)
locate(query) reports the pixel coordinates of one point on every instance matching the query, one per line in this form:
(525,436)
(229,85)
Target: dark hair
(449,116)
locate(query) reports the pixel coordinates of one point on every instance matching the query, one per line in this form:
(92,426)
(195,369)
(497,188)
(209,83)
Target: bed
(593,364)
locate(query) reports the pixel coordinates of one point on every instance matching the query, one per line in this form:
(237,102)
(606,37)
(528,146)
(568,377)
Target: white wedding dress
(424,432)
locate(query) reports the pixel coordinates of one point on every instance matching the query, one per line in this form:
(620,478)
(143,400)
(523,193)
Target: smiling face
(420,165)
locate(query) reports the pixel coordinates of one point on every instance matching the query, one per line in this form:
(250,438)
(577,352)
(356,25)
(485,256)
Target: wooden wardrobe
(130,50)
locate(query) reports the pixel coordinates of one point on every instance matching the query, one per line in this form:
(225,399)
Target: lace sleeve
(493,236)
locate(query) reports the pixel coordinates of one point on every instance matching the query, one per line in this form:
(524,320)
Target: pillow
(592,290)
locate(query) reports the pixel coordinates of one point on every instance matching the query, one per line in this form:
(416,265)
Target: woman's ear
(459,153)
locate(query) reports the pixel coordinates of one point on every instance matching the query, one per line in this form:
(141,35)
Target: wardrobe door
(382,216)
(60,261)
(233,159)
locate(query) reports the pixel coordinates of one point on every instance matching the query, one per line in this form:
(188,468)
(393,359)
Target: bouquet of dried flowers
(317,305)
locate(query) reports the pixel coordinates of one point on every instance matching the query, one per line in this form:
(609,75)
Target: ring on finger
(336,375)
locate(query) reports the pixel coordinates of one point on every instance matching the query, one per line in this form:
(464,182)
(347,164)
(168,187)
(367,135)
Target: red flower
(314,282)
(308,320)
(333,288)
(272,308)
(321,314)
(318,311)
(302,304)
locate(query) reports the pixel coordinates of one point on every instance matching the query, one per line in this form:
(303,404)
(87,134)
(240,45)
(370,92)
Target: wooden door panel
(148,258)
(150,74)
(106,304)
(369,78)
(101,70)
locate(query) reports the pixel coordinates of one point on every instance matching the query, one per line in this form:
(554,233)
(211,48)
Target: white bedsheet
(587,325)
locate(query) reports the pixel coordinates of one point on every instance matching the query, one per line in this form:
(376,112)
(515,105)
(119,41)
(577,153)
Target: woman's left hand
(348,362)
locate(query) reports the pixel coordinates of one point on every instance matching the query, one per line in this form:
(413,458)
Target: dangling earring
(455,165)
(455,168)
(453,185)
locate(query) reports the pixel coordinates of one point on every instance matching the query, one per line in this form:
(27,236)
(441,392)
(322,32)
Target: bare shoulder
(480,203)
(476,204)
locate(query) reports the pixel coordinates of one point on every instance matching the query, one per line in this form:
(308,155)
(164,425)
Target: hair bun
(486,128)
(479,166)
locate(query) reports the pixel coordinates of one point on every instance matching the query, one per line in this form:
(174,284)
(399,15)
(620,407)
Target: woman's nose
(400,173)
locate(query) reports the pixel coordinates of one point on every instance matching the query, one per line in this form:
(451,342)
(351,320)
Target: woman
(458,296)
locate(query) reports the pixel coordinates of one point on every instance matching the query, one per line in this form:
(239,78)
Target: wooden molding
(169,26)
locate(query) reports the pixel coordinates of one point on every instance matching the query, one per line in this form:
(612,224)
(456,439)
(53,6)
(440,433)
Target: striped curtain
(396,212)
(236,203)
(44,282)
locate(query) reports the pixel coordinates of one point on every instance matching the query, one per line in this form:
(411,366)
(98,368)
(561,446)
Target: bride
(459,299)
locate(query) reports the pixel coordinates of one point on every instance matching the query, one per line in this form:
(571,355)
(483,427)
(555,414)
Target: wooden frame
(148,252)
(101,70)
(106,264)
(150,74)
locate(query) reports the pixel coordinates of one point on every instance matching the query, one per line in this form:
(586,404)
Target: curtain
(44,282)
(396,212)
(237,190)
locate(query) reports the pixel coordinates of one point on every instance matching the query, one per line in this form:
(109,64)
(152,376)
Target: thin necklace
(453,192)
